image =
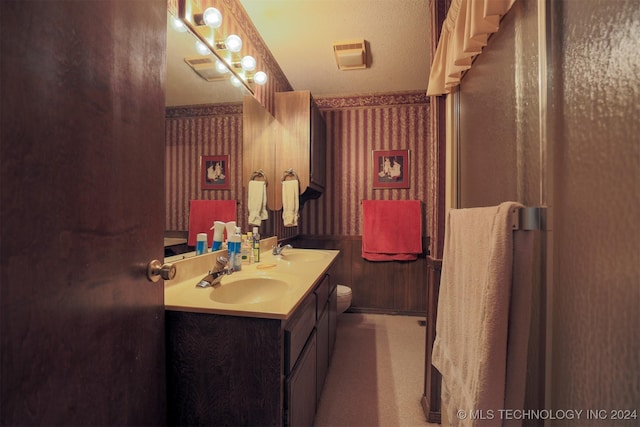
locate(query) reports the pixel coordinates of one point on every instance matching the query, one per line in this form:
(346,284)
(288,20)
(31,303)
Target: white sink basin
(250,290)
(301,255)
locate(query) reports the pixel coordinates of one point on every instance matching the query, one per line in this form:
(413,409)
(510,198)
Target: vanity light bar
(211,18)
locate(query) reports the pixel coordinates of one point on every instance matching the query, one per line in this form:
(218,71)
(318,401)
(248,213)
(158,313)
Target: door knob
(157,270)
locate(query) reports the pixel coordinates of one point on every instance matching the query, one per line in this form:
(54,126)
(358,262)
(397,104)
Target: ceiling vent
(205,66)
(351,54)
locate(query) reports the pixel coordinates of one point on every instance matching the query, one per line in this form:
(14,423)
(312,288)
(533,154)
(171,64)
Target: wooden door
(82,212)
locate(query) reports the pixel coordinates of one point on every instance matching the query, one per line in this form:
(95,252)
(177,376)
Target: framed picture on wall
(216,173)
(390,168)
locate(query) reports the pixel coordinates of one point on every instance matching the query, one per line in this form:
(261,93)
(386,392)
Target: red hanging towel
(202,214)
(392,230)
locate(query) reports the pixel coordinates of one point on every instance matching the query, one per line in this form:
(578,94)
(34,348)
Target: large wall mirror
(194,79)
(183,85)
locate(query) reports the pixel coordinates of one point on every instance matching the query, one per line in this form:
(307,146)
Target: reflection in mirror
(192,81)
(186,66)
(229,49)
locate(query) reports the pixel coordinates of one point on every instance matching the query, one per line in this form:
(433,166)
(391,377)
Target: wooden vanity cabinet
(318,150)
(300,365)
(325,331)
(259,136)
(294,138)
(300,392)
(297,331)
(302,142)
(333,319)
(305,382)
(322,354)
(233,370)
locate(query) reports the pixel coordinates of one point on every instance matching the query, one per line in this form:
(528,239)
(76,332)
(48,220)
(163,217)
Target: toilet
(344,298)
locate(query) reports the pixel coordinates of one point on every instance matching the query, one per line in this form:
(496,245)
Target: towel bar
(529,218)
(289,173)
(258,174)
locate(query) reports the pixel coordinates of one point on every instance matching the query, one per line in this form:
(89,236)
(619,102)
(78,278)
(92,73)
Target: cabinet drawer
(297,331)
(322,344)
(333,320)
(322,294)
(300,389)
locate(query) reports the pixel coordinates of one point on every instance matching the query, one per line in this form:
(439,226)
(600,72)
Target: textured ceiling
(182,85)
(300,35)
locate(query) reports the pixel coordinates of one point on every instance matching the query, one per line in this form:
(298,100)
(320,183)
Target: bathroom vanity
(254,350)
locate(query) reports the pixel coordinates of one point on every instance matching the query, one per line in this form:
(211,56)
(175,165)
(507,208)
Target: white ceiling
(182,85)
(300,35)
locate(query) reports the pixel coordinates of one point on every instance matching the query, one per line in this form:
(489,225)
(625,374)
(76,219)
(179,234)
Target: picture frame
(215,172)
(390,169)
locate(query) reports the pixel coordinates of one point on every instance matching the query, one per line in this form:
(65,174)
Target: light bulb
(212,17)
(178,25)
(221,67)
(202,48)
(233,43)
(235,81)
(260,77)
(248,63)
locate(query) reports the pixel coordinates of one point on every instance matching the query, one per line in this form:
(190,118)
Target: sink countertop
(302,271)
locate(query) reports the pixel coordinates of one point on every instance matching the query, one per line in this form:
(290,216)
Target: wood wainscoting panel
(432,378)
(394,287)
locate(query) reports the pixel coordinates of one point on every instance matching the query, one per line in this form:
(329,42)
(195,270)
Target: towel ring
(258,175)
(289,175)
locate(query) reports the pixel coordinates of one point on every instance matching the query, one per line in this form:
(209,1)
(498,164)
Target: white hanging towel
(257,202)
(484,314)
(290,202)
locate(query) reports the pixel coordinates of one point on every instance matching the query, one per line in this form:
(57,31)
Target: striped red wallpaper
(190,133)
(355,127)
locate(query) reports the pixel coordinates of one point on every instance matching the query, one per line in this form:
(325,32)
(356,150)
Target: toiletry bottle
(231,246)
(231,229)
(247,249)
(256,245)
(201,244)
(237,239)
(218,235)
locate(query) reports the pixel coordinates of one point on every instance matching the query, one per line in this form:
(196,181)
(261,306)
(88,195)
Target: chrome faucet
(215,276)
(277,250)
